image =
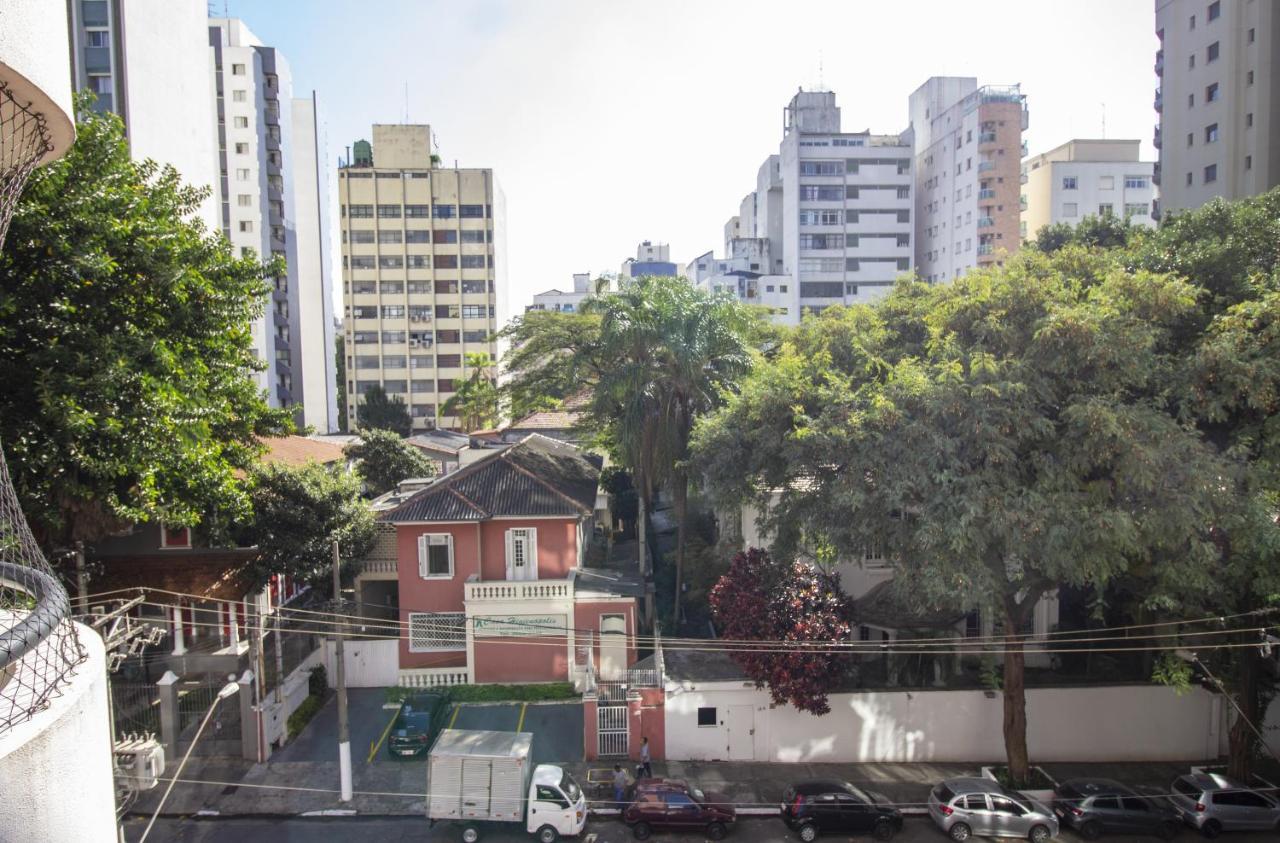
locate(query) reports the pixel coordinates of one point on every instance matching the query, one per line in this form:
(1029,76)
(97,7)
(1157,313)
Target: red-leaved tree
(761,600)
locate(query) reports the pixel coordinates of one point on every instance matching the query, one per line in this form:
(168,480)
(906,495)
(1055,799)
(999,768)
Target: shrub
(300,718)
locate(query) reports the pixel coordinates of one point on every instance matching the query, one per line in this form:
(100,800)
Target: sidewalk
(398,789)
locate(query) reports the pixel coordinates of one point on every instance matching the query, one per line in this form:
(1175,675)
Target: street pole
(340,670)
(279,648)
(82,581)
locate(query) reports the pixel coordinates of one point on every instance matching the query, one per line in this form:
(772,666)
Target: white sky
(611,122)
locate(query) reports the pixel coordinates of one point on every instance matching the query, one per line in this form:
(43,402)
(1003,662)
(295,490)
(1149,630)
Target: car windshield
(697,794)
(570,787)
(858,792)
(943,793)
(1186,788)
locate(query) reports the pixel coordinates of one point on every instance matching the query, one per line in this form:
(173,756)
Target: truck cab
(555,800)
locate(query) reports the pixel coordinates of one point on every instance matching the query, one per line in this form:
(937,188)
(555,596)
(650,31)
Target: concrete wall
(1116,723)
(34,44)
(55,769)
(369,663)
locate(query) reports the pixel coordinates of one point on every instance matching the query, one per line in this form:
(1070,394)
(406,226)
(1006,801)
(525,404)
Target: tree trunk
(680,493)
(1015,697)
(641,531)
(1241,739)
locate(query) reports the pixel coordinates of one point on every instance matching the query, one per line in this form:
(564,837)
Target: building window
(1191,100)
(707,716)
(1135,182)
(1211,93)
(1136,209)
(1211,133)
(97,38)
(473,236)
(522,554)
(471,211)
(474,311)
(1210,173)
(821,168)
(443,212)
(240,122)
(417,211)
(237,70)
(175,538)
(242,149)
(435,555)
(391,262)
(1069,209)
(1248,78)
(1248,162)
(1106,209)
(444,385)
(417,236)
(1191,62)
(393,311)
(1188,179)
(419,261)
(821,193)
(389,212)
(1250,37)
(435,631)
(242,174)
(239,96)
(1248,120)
(1191,138)
(360,211)
(1211,54)
(474,261)
(1215,10)
(1107,183)
(1069,183)
(100,84)
(244,200)
(246,225)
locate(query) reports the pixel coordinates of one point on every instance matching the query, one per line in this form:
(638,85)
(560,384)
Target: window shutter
(510,553)
(452,562)
(531,551)
(423,556)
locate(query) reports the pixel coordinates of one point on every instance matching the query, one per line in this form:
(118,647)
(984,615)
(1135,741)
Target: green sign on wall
(518,626)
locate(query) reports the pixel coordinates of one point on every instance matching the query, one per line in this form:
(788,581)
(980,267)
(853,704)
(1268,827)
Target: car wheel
(1211,829)
(547,834)
(717,831)
(1168,831)
(641,831)
(1091,830)
(1039,834)
(470,834)
(883,830)
(808,833)
(960,831)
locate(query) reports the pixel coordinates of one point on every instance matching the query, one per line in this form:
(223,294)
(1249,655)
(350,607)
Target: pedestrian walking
(645,766)
(619,785)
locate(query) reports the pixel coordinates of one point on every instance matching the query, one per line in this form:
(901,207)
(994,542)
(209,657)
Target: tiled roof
(441,441)
(563,417)
(298,450)
(213,574)
(536,477)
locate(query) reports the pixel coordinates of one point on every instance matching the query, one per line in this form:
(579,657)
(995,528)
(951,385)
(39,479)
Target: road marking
(456,708)
(373,750)
(523,706)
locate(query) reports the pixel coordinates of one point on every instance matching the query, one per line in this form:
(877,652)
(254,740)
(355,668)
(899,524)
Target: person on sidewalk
(619,785)
(645,766)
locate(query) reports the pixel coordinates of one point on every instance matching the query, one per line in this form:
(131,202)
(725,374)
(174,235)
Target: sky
(608,122)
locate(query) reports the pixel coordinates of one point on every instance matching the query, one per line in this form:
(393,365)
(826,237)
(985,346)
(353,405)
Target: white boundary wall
(1111,723)
(371,663)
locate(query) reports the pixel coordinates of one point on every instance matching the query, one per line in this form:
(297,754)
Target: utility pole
(340,670)
(82,581)
(279,642)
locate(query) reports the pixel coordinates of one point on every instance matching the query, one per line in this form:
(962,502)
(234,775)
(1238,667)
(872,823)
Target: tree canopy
(475,404)
(383,459)
(376,410)
(125,347)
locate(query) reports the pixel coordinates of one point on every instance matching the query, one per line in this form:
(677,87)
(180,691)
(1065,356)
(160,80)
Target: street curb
(213,815)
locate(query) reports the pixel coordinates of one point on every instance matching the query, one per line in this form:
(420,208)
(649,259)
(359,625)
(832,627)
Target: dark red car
(678,806)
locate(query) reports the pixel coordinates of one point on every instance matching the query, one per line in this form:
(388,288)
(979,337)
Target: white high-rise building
(568,301)
(1083,178)
(1218,100)
(829,221)
(148,61)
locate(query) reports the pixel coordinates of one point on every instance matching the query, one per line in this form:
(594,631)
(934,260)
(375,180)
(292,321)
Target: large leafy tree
(383,459)
(125,347)
(999,436)
(475,404)
(378,410)
(298,512)
(798,606)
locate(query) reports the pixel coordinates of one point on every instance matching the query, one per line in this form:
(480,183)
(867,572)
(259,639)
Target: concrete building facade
(968,150)
(1084,178)
(1217,100)
(567,301)
(651,259)
(423,270)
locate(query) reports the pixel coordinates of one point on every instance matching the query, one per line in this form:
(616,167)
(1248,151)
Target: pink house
(491,579)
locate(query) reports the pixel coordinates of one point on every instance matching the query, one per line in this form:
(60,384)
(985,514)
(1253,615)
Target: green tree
(298,512)
(552,355)
(998,437)
(383,459)
(125,347)
(377,410)
(475,404)
(339,354)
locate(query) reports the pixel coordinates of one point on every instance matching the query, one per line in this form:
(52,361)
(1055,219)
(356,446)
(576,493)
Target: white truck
(477,779)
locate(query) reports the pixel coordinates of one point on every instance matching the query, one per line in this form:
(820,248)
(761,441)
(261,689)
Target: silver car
(1214,803)
(968,806)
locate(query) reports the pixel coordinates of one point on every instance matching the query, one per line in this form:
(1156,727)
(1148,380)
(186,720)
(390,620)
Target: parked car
(1214,803)
(677,806)
(815,808)
(1094,807)
(963,807)
(416,724)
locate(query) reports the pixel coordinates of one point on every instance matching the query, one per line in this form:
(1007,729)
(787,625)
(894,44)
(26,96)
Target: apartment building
(1084,178)
(568,301)
(423,270)
(968,150)
(743,273)
(1218,100)
(651,259)
(148,61)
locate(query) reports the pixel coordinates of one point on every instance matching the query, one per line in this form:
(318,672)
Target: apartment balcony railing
(985,249)
(987,137)
(1025,149)
(1156,138)
(1159,62)
(378,566)
(986,194)
(1022,204)
(986,166)
(986,222)
(1158,104)
(503,590)
(1155,174)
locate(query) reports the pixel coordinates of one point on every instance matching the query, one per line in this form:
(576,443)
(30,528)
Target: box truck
(478,779)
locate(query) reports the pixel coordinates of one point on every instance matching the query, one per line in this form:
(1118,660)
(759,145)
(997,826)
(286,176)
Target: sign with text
(518,626)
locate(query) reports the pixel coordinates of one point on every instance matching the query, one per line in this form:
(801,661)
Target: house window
(1069,183)
(522,554)
(1215,9)
(237,70)
(435,556)
(873,557)
(1106,209)
(434,631)
(175,538)
(238,96)
(1211,133)
(1211,54)
(707,716)
(240,122)
(1211,93)
(1210,173)
(1069,209)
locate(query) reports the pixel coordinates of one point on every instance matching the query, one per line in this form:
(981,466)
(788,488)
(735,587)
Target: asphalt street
(334,829)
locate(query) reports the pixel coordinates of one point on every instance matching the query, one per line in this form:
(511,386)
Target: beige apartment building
(423,271)
(1086,178)
(1218,100)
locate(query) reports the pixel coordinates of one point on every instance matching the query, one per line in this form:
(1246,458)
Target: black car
(1095,807)
(416,724)
(822,807)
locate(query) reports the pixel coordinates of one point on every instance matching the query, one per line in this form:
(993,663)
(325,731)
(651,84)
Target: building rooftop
(701,666)
(211,574)
(299,450)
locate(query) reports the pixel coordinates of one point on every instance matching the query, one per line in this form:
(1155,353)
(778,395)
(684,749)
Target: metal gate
(611,731)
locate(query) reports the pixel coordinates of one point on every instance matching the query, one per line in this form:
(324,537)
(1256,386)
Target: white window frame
(166,544)
(522,541)
(427,540)
(873,559)
(424,636)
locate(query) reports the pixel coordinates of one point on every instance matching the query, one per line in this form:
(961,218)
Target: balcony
(986,222)
(985,249)
(499,591)
(988,193)
(1158,104)
(987,137)
(986,166)
(1022,204)
(1156,138)
(1159,62)
(1155,175)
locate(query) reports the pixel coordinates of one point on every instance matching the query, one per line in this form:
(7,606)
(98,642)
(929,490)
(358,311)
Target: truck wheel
(470,834)
(716,831)
(547,834)
(641,831)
